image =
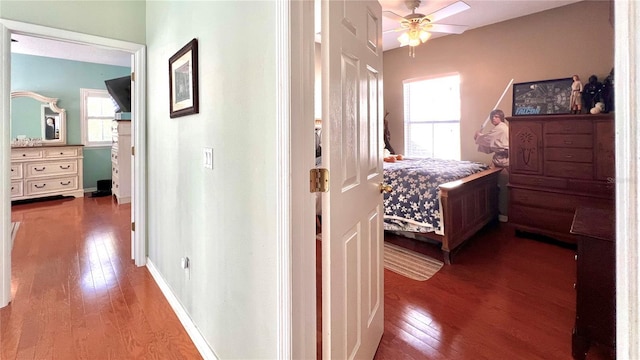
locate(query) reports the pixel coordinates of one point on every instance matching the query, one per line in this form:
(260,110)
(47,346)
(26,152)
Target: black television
(120,91)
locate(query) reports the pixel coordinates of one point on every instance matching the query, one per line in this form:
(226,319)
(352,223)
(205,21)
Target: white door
(352,246)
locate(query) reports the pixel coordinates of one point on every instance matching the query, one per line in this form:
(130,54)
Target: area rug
(409,263)
(14,230)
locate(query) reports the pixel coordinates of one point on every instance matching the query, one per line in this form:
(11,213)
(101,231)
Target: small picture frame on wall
(546,97)
(183,81)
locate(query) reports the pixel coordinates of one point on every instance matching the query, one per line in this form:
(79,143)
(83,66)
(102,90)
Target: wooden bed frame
(468,205)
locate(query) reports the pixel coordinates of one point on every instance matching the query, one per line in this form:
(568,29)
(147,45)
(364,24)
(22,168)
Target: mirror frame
(52,104)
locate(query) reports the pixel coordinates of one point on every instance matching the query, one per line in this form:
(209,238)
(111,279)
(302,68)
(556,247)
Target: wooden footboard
(467,206)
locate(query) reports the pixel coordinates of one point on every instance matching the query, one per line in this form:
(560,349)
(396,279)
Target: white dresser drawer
(24,154)
(51,185)
(61,152)
(114,155)
(16,188)
(16,171)
(52,168)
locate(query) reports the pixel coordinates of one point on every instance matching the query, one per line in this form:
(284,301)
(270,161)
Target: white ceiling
(481,13)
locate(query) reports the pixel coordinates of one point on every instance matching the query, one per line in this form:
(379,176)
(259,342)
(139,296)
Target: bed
(446,201)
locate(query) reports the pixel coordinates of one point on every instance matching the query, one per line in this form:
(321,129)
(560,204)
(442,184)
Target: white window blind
(432,117)
(97,112)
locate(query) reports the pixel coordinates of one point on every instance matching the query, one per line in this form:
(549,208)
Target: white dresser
(46,171)
(121,160)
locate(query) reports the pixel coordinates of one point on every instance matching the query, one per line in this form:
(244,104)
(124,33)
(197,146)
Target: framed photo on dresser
(183,81)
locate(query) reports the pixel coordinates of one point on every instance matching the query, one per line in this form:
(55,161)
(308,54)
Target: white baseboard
(503,218)
(191,328)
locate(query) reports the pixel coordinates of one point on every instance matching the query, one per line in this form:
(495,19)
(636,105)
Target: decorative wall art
(545,97)
(183,81)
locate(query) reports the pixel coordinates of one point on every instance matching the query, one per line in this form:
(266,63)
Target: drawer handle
(40,187)
(36,169)
(12,188)
(12,170)
(65,168)
(568,142)
(65,184)
(568,156)
(24,154)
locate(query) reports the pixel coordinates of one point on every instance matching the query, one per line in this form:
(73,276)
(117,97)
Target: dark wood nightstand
(596,281)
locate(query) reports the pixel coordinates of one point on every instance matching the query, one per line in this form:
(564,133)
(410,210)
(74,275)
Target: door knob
(385,188)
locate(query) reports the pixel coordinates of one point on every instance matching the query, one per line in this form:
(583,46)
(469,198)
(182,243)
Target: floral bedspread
(413,204)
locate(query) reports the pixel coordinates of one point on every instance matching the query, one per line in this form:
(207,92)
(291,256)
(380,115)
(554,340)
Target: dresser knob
(575,257)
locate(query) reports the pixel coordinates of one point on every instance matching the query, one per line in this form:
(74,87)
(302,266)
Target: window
(432,117)
(96,114)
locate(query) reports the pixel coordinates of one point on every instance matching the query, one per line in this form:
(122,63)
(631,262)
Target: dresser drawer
(37,186)
(540,181)
(16,188)
(114,155)
(568,154)
(569,170)
(17,154)
(605,189)
(61,152)
(543,199)
(573,141)
(51,168)
(16,171)
(568,127)
(551,220)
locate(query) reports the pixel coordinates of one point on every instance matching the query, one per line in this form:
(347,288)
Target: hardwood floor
(76,292)
(77,295)
(504,297)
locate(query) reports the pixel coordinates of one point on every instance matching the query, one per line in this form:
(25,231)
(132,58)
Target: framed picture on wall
(183,81)
(546,97)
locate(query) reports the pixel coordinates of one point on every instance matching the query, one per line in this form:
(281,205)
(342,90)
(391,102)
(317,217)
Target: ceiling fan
(418,27)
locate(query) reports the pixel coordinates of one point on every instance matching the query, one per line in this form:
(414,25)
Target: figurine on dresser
(575,99)
(592,93)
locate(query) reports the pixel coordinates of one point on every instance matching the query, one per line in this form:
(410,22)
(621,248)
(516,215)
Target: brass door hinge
(318,180)
(133,226)
(133,76)
(133,151)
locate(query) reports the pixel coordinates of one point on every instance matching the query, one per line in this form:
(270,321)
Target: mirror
(36,120)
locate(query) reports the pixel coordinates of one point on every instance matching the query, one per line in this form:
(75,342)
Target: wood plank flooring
(504,297)
(77,295)
(76,292)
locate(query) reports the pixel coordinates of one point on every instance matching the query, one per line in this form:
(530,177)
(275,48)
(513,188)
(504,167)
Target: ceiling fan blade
(456,7)
(394,30)
(446,28)
(391,15)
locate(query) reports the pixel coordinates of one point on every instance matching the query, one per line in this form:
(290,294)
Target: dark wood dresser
(596,281)
(559,163)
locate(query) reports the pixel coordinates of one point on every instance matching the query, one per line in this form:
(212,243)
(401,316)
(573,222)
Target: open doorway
(136,55)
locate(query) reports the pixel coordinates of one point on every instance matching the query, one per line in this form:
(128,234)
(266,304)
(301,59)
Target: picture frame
(546,97)
(183,81)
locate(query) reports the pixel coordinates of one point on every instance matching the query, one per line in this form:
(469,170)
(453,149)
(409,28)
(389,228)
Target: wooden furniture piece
(121,161)
(558,163)
(41,171)
(467,205)
(596,279)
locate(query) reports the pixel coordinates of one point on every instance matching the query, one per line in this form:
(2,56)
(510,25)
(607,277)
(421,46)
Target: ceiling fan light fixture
(424,35)
(404,39)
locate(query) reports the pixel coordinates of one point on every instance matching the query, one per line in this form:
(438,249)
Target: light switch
(208,158)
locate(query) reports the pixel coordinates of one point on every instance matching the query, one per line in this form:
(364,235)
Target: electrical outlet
(208,158)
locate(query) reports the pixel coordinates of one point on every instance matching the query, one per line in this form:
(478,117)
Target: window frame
(84,127)
(408,122)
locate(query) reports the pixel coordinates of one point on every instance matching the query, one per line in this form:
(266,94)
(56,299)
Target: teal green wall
(62,79)
(26,117)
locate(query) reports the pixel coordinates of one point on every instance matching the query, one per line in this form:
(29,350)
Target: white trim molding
(186,321)
(627,132)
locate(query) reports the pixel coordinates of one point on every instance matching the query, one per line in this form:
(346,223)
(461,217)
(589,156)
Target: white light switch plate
(208,158)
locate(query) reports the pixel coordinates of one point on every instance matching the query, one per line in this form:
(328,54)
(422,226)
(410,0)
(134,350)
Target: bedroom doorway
(138,65)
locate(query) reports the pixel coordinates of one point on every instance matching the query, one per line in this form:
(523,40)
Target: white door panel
(352,209)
